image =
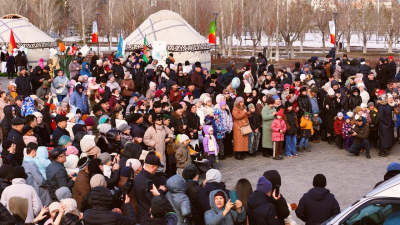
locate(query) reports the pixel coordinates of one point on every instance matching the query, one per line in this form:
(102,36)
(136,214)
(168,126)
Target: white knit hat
(183,138)
(331,91)
(363,105)
(70,116)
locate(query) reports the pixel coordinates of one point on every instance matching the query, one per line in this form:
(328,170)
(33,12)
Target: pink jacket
(276,126)
(41,63)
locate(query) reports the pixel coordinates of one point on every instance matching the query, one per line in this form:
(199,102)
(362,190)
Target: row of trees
(278,20)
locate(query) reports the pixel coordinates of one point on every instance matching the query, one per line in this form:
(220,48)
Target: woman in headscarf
(86,69)
(42,160)
(41,130)
(240,114)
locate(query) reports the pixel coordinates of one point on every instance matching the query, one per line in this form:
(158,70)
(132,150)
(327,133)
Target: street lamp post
(215,19)
(98,39)
(334,17)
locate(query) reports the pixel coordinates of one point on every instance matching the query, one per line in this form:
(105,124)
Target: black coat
(193,121)
(354,101)
(177,123)
(35,79)
(304,104)
(107,93)
(329,114)
(57,177)
(23,85)
(316,206)
(364,69)
(203,201)
(386,125)
(20,60)
(93,62)
(254,121)
(16,137)
(70,219)
(118,71)
(6,122)
(138,78)
(392,70)
(388,176)
(381,74)
(131,151)
(10,64)
(3,185)
(143,196)
(182,81)
(370,85)
(260,211)
(290,118)
(101,213)
(192,191)
(58,132)
(5,216)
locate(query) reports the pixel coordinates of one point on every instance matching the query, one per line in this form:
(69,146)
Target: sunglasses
(159,119)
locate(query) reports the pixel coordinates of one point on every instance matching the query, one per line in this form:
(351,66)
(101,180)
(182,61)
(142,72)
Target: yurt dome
(182,40)
(27,35)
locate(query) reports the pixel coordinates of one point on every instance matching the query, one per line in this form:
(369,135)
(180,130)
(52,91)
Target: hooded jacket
(85,71)
(362,131)
(176,195)
(101,213)
(214,216)
(73,72)
(79,100)
(35,78)
(203,201)
(24,85)
(62,80)
(182,156)
(36,180)
(354,100)
(317,205)
(282,210)
(260,211)
(207,138)
(131,151)
(6,122)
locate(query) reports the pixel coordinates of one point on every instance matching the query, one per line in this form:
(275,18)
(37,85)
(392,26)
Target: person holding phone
(221,210)
(260,209)
(280,203)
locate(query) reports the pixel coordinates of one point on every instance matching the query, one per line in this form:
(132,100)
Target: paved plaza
(348,177)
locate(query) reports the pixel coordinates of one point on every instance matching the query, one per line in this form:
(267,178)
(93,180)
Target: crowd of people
(123,141)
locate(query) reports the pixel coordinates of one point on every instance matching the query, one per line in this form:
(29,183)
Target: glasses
(159,119)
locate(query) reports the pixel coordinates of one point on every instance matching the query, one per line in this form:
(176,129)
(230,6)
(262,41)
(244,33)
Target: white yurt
(181,39)
(37,44)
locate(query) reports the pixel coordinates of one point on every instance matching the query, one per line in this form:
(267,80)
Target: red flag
(12,44)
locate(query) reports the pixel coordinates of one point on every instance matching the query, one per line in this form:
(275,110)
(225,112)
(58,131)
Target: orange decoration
(61,46)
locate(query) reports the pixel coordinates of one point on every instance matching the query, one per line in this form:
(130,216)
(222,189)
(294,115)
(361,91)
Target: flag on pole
(145,51)
(332,30)
(211,35)
(12,44)
(95,33)
(119,50)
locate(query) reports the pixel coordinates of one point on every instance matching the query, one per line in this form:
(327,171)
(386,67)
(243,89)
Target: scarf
(14,94)
(107,170)
(41,160)
(28,139)
(28,107)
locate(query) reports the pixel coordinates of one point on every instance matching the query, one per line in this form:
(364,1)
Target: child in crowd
(316,122)
(306,131)
(291,130)
(254,137)
(365,112)
(210,145)
(278,127)
(347,130)
(338,126)
(219,131)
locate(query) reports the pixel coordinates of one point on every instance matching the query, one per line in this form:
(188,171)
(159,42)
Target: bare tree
(83,15)
(45,19)
(323,14)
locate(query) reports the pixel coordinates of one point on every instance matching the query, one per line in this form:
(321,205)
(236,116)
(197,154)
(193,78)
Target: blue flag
(119,50)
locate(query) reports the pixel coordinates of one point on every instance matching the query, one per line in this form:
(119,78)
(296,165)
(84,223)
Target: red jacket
(338,126)
(173,98)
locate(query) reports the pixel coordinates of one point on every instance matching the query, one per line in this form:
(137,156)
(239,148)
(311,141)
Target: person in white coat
(363,93)
(19,188)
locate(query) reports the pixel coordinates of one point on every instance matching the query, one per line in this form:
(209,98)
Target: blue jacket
(226,77)
(61,80)
(214,216)
(79,100)
(176,195)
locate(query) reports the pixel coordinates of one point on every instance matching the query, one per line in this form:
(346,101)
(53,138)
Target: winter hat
(339,114)
(264,185)
(37,114)
(213,175)
(135,163)
(360,84)
(183,138)
(196,101)
(70,116)
(176,106)
(161,86)
(363,105)
(280,113)
(158,93)
(71,150)
(93,150)
(89,121)
(103,128)
(220,193)
(26,129)
(64,140)
(331,91)
(54,206)
(96,108)
(314,89)
(123,127)
(206,99)
(189,172)
(350,114)
(346,117)
(87,142)
(358,109)
(319,181)
(105,157)
(286,86)
(272,91)
(393,166)
(270,100)
(158,207)
(104,119)
(275,97)
(5,170)
(251,105)
(125,172)
(221,103)
(288,104)
(306,114)
(97,180)
(238,100)
(209,111)
(46,83)
(71,163)
(134,117)
(7,144)
(265,92)
(371,103)
(63,193)
(303,89)
(17,172)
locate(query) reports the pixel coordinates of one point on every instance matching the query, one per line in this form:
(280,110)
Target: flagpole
(98,39)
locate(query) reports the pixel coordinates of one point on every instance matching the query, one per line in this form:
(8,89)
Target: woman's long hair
(244,190)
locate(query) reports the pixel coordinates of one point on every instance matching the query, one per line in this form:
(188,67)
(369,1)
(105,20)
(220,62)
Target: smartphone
(149,185)
(75,174)
(277,190)
(233,195)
